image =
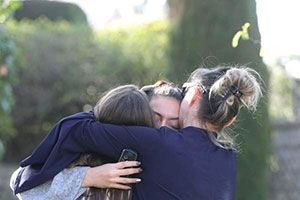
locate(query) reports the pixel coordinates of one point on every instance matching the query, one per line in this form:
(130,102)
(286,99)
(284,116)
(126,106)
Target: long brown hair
(124,105)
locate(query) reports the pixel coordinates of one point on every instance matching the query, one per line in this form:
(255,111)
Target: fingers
(125,164)
(128,180)
(129,171)
(121,187)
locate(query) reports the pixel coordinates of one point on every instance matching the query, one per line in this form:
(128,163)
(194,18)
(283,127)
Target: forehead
(166,106)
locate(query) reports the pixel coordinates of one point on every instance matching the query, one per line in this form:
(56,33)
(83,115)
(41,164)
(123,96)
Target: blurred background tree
(204,29)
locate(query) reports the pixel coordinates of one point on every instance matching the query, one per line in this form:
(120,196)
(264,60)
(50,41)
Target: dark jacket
(176,165)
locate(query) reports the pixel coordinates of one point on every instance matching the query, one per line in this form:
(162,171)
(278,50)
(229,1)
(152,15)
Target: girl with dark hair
(197,162)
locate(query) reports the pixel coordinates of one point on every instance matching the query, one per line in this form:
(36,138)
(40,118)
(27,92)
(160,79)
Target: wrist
(87,179)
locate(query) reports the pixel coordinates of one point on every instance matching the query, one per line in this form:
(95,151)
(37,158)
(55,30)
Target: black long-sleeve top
(182,164)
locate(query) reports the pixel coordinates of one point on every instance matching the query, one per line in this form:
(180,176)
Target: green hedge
(53,10)
(66,68)
(7,78)
(8,58)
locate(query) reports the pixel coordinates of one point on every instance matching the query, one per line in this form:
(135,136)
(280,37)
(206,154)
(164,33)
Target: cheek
(183,107)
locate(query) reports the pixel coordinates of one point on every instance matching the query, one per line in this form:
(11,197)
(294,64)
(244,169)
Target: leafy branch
(244,35)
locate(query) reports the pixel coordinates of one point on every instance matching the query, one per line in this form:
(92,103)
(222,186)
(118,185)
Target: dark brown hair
(125,105)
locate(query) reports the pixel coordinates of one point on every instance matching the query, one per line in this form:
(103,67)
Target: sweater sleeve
(110,140)
(81,133)
(65,185)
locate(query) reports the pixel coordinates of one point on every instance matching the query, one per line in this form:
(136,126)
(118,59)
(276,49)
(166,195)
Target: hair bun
(238,84)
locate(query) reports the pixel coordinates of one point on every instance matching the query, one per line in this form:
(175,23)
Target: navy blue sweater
(182,165)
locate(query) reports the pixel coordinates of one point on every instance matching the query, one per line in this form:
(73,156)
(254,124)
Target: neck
(189,121)
(193,121)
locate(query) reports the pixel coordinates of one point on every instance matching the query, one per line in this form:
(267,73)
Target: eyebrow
(157,113)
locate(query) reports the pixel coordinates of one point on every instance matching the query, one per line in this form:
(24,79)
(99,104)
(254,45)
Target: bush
(53,10)
(137,52)
(7,75)
(68,67)
(7,71)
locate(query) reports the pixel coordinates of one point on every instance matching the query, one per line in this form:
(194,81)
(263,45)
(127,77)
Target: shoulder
(79,116)
(75,120)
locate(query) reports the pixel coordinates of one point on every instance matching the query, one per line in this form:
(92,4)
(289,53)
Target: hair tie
(233,91)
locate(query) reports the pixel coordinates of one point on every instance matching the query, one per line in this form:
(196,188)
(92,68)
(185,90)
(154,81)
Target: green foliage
(244,34)
(241,34)
(53,10)
(7,9)
(138,50)
(53,76)
(68,67)
(204,29)
(7,71)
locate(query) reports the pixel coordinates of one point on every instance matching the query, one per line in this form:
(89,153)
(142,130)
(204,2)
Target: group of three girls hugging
(178,134)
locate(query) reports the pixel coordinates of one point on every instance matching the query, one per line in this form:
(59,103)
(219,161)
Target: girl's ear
(230,122)
(192,95)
